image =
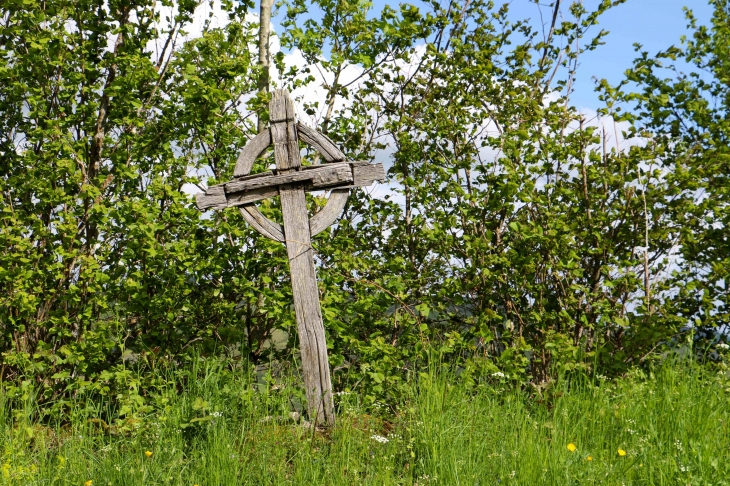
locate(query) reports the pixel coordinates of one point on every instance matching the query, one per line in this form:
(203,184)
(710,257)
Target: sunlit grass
(669,428)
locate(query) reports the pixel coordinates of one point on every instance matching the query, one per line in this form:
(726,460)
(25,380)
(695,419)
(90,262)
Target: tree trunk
(264,53)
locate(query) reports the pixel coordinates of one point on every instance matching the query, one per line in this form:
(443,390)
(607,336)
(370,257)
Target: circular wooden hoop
(317,223)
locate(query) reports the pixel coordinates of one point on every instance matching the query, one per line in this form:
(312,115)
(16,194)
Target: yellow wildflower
(572,447)
(621,452)
(88,483)
(589,458)
(148,453)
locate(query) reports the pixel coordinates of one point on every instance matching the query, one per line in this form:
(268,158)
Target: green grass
(224,430)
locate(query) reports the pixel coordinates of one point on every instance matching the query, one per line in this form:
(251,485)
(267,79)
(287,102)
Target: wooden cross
(290,181)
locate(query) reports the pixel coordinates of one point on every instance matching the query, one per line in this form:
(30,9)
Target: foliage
(104,256)
(521,237)
(520,231)
(685,117)
(672,423)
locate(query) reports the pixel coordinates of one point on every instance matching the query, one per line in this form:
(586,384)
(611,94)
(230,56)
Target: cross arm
(244,190)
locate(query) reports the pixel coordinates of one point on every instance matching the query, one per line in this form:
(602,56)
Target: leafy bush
(520,238)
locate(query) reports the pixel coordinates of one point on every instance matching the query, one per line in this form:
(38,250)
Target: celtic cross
(290,180)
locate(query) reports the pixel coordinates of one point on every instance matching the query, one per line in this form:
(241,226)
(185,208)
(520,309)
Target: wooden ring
(321,220)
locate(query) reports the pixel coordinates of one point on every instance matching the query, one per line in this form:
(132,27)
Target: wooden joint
(256,187)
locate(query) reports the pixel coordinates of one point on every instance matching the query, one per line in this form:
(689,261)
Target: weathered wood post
(290,181)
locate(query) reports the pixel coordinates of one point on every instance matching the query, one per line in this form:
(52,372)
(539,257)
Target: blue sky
(656,24)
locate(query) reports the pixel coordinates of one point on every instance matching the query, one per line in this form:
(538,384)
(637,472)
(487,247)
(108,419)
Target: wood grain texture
(284,132)
(263,186)
(247,197)
(330,212)
(315,365)
(251,152)
(364,174)
(320,176)
(321,143)
(261,223)
(213,198)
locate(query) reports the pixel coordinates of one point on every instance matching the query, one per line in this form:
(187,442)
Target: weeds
(670,427)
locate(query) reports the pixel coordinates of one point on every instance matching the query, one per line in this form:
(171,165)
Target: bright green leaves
(513,237)
(506,216)
(102,250)
(684,120)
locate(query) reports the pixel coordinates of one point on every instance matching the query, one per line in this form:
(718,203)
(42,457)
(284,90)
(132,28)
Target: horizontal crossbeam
(245,190)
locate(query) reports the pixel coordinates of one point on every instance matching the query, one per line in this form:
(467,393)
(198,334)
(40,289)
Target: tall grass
(226,429)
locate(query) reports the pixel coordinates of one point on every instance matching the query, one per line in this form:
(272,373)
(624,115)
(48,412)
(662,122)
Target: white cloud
(207,15)
(315,92)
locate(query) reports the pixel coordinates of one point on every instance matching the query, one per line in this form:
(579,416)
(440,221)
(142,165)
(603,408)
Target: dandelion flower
(589,458)
(148,453)
(88,483)
(621,452)
(572,447)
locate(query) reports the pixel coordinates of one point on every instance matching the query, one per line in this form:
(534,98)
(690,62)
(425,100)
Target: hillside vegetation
(669,427)
(551,258)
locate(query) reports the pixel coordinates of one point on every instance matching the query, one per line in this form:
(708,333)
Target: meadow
(666,426)
(520,234)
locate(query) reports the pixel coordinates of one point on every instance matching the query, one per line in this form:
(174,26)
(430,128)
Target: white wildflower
(723,346)
(380,438)
(498,374)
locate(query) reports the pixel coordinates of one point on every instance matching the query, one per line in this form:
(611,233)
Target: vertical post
(264,54)
(315,365)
